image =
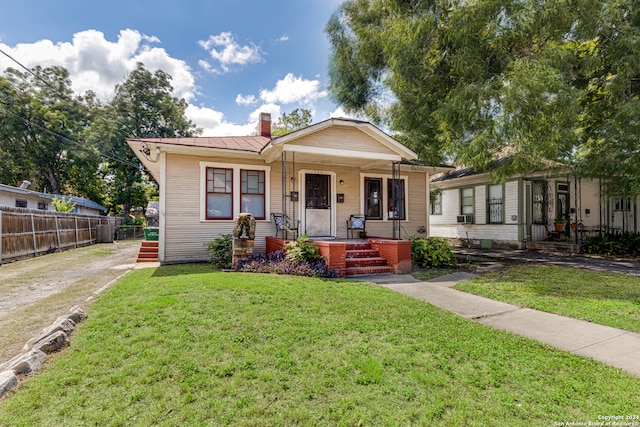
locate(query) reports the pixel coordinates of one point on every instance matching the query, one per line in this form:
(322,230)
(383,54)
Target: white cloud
(293,89)
(246,100)
(98,64)
(224,49)
(214,123)
(283,38)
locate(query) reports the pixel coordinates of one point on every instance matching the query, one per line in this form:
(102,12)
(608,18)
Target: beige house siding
(342,138)
(185,234)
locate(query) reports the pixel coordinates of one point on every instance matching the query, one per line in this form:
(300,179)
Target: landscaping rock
(53,342)
(77,315)
(62,323)
(8,380)
(24,363)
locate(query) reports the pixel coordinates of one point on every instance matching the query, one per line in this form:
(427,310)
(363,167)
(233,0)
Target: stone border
(52,339)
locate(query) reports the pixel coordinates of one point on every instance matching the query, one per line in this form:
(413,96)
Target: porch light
(342,182)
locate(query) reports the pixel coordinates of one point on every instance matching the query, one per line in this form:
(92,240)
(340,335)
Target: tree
(41,137)
(295,120)
(143,107)
(63,205)
(550,80)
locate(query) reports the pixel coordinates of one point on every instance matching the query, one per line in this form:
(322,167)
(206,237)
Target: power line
(39,78)
(57,135)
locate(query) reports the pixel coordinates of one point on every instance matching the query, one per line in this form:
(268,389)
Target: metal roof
(79,201)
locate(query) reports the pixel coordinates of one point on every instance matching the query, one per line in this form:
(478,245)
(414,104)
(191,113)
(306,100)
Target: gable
(341,138)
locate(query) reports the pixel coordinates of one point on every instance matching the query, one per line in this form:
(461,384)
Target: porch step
(360,271)
(148,252)
(361,259)
(366,262)
(361,253)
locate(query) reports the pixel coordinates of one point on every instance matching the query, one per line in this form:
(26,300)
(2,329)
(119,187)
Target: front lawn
(181,345)
(604,298)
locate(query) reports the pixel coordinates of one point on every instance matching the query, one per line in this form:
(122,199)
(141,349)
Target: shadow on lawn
(185,269)
(565,282)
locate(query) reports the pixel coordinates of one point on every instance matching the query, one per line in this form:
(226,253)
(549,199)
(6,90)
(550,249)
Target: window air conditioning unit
(465,219)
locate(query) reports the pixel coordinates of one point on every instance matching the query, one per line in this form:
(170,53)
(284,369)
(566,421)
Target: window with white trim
(219,193)
(373,198)
(252,195)
(21,203)
(398,210)
(228,189)
(377,200)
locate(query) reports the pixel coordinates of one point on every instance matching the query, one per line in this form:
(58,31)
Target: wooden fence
(29,232)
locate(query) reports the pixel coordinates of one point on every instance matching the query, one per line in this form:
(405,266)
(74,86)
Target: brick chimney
(264,125)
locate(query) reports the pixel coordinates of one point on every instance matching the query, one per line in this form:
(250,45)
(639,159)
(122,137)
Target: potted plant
(559,224)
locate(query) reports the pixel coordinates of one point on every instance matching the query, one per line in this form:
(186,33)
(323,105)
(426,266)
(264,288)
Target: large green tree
(143,107)
(41,137)
(465,80)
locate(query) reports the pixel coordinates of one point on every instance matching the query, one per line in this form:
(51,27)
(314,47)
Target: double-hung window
(252,195)
(373,198)
(395,188)
(229,189)
(495,205)
(379,195)
(466,201)
(219,193)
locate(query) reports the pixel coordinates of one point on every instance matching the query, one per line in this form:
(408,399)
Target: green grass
(604,298)
(181,345)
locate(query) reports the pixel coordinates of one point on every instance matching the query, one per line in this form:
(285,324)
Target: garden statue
(244,234)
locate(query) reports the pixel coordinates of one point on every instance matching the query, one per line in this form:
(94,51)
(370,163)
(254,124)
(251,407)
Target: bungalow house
(319,176)
(22,197)
(468,208)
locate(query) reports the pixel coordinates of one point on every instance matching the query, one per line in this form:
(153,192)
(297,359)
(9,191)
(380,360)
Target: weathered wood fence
(29,232)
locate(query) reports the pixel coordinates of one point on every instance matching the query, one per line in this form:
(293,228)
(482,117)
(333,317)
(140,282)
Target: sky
(229,59)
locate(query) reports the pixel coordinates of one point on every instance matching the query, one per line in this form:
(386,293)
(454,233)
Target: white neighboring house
(22,197)
(468,208)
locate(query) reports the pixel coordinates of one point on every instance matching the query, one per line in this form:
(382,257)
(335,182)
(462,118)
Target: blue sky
(230,59)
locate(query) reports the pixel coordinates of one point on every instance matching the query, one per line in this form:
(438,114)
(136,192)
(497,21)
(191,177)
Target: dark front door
(317,194)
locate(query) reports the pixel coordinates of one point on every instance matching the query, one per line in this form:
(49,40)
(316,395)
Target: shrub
(221,251)
(279,263)
(301,250)
(613,244)
(432,252)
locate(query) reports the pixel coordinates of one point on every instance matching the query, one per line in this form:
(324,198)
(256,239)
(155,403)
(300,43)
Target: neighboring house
(319,175)
(22,197)
(467,207)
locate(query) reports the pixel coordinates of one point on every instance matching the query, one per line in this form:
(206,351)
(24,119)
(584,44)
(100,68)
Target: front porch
(353,257)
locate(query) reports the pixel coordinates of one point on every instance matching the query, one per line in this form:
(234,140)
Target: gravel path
(35,291)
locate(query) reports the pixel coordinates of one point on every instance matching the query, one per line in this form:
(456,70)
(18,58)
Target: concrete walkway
(614,347)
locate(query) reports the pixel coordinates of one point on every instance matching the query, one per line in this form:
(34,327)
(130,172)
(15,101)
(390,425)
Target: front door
(317,194)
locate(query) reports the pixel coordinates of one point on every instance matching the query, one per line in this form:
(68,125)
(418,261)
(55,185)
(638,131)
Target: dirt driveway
(34,292)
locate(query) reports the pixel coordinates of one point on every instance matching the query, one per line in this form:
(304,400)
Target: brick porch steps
(361,259)
(148,252)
